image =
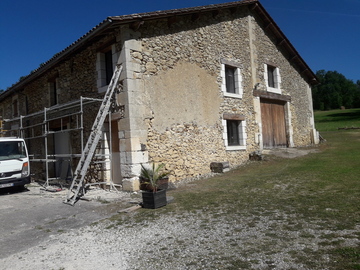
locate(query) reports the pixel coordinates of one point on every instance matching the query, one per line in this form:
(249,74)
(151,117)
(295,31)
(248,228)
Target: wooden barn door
(273,124)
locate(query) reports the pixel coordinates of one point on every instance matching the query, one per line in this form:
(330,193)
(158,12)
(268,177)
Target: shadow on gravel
(13,190)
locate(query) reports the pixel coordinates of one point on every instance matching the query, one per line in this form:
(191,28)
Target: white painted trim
(235,148)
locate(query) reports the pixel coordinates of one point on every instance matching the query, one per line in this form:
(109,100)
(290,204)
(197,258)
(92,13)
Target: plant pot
(153,200)
(162,184)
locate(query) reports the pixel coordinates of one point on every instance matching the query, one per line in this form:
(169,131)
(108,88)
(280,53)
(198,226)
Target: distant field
(332,120)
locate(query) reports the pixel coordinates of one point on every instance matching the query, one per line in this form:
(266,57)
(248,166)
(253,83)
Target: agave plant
(153,174)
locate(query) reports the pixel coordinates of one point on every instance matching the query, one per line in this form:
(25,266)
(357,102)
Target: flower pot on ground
(152,183)
(153,200)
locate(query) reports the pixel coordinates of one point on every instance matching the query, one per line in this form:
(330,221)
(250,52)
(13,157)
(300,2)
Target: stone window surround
(277,79)
(287,101)
(238,78)
(101,66)
(242,131)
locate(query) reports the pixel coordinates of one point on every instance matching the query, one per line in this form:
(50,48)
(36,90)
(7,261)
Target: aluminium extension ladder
(77,188)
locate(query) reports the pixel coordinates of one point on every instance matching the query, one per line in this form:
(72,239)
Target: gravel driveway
(38,231)
(57,236)
(31,216)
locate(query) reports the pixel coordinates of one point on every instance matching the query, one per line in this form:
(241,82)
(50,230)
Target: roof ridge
(182,10)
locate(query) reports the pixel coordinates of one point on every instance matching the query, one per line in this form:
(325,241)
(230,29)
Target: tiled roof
(177,12)
(114,21)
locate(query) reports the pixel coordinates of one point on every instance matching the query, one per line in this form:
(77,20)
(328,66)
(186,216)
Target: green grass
(320,189)
(332,120)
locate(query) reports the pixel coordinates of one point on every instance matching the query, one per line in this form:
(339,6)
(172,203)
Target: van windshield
(12,150)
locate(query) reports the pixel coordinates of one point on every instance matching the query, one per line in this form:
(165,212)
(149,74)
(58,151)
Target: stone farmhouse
(199,85)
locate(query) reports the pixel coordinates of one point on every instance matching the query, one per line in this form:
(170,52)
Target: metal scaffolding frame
(38,126)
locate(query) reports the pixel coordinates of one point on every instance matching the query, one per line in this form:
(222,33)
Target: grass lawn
(332,120)
(313,201)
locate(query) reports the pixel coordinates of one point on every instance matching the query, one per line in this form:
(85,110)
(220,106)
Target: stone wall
(292,84)
(75,77)
(181,73)
(173,100)
(180,69)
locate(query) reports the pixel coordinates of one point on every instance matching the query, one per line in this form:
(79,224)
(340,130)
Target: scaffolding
(39,130)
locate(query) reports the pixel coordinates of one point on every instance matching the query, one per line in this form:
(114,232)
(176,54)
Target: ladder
(77,188)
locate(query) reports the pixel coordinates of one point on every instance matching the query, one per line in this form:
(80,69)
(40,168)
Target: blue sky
(326,33)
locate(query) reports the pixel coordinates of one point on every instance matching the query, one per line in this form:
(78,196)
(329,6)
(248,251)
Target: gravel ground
(207,239)
(199,240)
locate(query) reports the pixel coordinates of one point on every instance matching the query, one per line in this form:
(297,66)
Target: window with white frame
(231,79)
(272,78)
(234,132)
(106,60)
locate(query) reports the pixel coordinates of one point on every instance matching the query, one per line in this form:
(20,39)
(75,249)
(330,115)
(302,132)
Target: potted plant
(151,180)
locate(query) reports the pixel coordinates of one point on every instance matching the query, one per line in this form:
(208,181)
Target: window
(272,78)
(106,60)
(231,79)
(15,107)
(234,132)
(108,66)
(54,95)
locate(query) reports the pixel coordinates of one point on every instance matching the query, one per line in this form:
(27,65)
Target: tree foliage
(335,91)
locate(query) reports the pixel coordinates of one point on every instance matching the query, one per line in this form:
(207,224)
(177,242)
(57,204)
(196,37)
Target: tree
(334,91)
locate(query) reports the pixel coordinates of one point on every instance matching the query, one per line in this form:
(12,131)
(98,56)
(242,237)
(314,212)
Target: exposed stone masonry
(171,106)
(188,148)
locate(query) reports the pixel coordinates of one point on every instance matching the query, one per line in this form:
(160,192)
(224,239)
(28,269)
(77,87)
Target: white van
(14,163)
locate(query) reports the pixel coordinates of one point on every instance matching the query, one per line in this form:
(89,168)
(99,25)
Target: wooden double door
(273,123)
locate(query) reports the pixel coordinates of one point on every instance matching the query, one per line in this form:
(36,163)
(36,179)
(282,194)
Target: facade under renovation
(198,85)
